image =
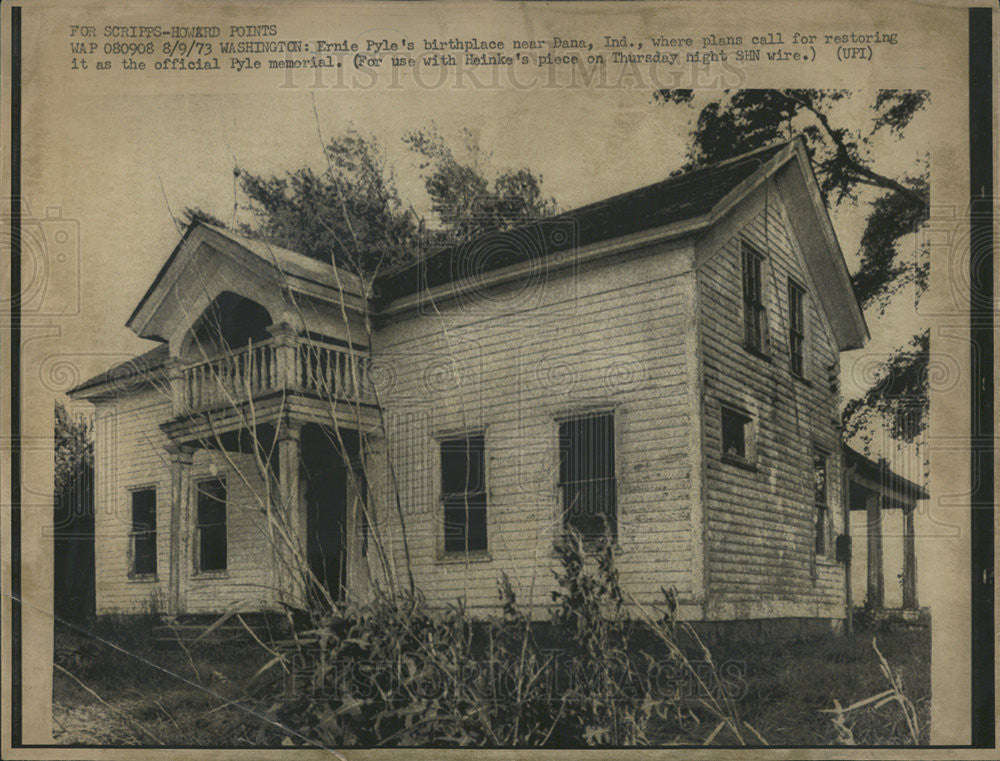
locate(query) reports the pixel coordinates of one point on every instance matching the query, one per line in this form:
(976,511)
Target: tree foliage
(352,212)
(898,397)
(844,162)
(74,450)
(467,196)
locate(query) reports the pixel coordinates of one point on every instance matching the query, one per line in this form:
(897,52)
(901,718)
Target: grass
(178,696)
(147,694)
(789,683)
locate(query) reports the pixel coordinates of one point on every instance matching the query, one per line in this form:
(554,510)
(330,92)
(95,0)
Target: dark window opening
(796,326)
(820,499)
(463,493)
(144,532)
(230,322)
(754,316)
(587,475)
(212,546)
(734,434)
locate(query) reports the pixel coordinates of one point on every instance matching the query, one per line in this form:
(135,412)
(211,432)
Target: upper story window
(796,327)
(587,475)
(212,541)
(144,532)
(754,313)
(821,501)
(463,493)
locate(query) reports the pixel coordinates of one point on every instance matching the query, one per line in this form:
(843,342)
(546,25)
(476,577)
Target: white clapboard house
(660,366)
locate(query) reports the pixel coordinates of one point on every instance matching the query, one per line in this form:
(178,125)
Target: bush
(398,672)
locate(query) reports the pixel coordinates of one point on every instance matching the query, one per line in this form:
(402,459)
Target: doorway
(326,480)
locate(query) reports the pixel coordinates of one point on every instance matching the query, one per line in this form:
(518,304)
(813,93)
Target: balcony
(286,374)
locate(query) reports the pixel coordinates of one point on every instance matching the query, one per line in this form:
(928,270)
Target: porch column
(180,525)
(876,579)
(175,376)
(292,558)
(909,561)
(286,355)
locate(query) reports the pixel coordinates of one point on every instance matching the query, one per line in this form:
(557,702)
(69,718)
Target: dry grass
(202,695)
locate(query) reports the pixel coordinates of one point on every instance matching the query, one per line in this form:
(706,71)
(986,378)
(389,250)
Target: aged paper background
(113,148)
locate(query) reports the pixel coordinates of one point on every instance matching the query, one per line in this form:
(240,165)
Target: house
(660,366)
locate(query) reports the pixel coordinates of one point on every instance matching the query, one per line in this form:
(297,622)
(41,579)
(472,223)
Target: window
(796,326)
(735,435)
(144,532)
(463,493)
(820,492)
(212,547)
(587,475)
(754,316)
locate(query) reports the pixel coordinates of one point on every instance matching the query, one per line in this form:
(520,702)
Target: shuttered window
(144,532)
(587,475)
(463,493)
(212,541)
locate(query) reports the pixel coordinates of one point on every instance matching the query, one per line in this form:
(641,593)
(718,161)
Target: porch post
(292,513)
(286,355)
(175,375)
(180,524)
(909,561)
(876,581)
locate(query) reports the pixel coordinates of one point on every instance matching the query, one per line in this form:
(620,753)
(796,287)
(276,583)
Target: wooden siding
(510,362)
(760,522)
(131,453)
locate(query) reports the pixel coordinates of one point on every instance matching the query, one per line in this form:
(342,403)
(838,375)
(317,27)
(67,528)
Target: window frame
(797,328)
(748,459)
(148,535)
(445,552)
(753,295)
(199,541)
(563,516)
(822,511)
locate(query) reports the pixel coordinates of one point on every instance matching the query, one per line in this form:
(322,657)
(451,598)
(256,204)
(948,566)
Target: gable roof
(679,205)
(681,197)
(687,199)
(253,259)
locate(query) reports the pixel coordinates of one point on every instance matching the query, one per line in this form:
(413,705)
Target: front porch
(299,486)
(882,496)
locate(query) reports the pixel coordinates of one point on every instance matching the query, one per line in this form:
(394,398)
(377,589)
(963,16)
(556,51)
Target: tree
(350,212)
(467,196)
(844,164)
(73,516)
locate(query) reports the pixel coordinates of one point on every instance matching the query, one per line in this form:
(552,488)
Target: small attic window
(738,446)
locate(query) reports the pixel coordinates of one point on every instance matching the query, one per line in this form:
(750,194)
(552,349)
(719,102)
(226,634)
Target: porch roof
(127,374)
(878,476)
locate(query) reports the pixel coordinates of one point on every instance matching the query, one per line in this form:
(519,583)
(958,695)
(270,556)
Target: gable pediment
(209,261)
(789,176)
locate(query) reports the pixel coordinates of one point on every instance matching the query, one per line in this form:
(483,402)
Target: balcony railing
(287,363)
